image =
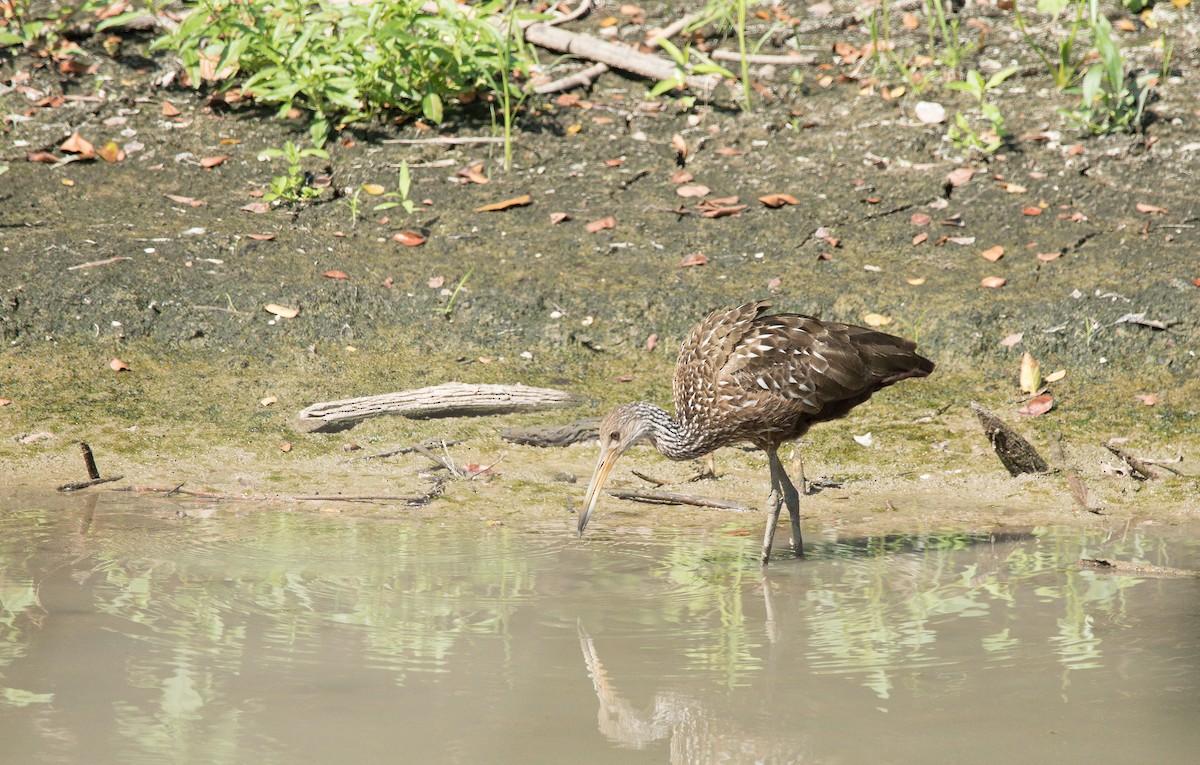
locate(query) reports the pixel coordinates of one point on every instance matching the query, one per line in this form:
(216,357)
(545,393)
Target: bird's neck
(675,439)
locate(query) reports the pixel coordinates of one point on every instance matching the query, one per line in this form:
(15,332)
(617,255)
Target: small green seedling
(399,198)
(293,186)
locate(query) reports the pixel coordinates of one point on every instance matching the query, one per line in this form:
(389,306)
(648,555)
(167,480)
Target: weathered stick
(1017,454)
(673,498)
(1138,468)
(560,435)
(452,399)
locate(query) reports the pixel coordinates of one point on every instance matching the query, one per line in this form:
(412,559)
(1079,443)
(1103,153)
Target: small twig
(178,490)
(472,475)
(673,498)
(583,7)
(95,263)
(76,486)
(1140,470)
(580,79)
(410,449)
(648,479)
(435,459)
(763,58)
(89,461)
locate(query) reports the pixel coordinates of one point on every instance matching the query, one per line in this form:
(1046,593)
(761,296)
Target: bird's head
(620,429)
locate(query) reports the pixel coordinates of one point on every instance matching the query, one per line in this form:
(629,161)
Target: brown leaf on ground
(778,200)
(1142,207)
(210,162)
(117,365)
(507,204)
(1046,257)
(652,342)
(607,221)
(282,310)
(559,217)
(1010,340)
(919,238)
(681,176)
(474,174)
(714,210)
(408,238)
(695,259)
(1037,405)
(916,281)
(993,281)
(910,21)
(1149,399)
(920,219)
(285,447)
(436,282)
(692,190)
(258,208)
(41,156)
(169,109)
(1030,378)
(77,144)
(111,152)
(680,145)
(993,253)
(729,151)
(1031,210)
(5,401)
(269,237)
(335,275)
(185,200)
(614,162)
(1014,188)
(959,175)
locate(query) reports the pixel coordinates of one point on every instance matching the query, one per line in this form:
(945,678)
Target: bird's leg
(798,469)
(792,498)
(774,504)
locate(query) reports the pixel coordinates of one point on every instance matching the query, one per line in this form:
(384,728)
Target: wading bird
(747,376)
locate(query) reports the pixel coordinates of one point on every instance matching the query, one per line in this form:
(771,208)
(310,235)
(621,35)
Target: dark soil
(555,305)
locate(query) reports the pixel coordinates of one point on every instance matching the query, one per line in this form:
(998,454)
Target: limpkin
(747,376)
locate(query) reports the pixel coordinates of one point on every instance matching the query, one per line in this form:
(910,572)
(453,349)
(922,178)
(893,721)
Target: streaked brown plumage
(746,376)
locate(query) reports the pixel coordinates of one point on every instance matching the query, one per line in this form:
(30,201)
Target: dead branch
(428,444)
(452,399)
(1017,454)
(76,486)
(673,498)
(1139,470)
(559,435)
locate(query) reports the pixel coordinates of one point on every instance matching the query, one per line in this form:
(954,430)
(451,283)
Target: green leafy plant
(954,50)
(292,186)
(961,132)
(40,31)
(399,198)
(684,65)
(1111,99)
(1063,66)
(346,62)
(449,307)
(730,13)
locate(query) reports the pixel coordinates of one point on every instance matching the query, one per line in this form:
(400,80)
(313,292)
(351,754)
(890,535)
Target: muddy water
(136,631)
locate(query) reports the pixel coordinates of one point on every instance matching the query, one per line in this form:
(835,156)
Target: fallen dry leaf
(962,240)
(67,182)
(210,162)
(959,175)
(652,341)
(1031,211)
(373,189)
(919,238)
(910,21)
(507,204)
(335,275)
(680,145)
(615,162)
(1014,188)
(778,200)
(5,401)
(559,217)
(77,144)
(993,253)
(1037,405)
(1046,257)
(680,176)
(41,156)
(1056,375)
(692,190)
(1031,374)
(916,281)
(256,207)
(993,281)
(1142,207)
(285,447)
(774,284)
(920,219)
(474,174)
(695,259)
(408,238)
(607,221)
(876,320)
(185,200)
(111,152)
(169,110)
(1010,340)
(281,310)
(573,129)
(268,401)
(1149,399)
(436,282)
(117,365)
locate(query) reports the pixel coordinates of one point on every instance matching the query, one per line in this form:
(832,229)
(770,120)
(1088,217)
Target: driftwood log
(452,399)
(561,435)
(1017,454)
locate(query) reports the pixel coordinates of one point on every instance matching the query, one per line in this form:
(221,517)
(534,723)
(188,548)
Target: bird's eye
(614,436)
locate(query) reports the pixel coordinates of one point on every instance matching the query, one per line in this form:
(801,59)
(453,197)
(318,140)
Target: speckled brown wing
(702,355)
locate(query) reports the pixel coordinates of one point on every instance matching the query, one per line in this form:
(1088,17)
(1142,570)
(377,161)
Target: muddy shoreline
(554,305)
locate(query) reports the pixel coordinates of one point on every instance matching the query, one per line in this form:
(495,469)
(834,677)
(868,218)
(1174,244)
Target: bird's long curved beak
(604,466)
